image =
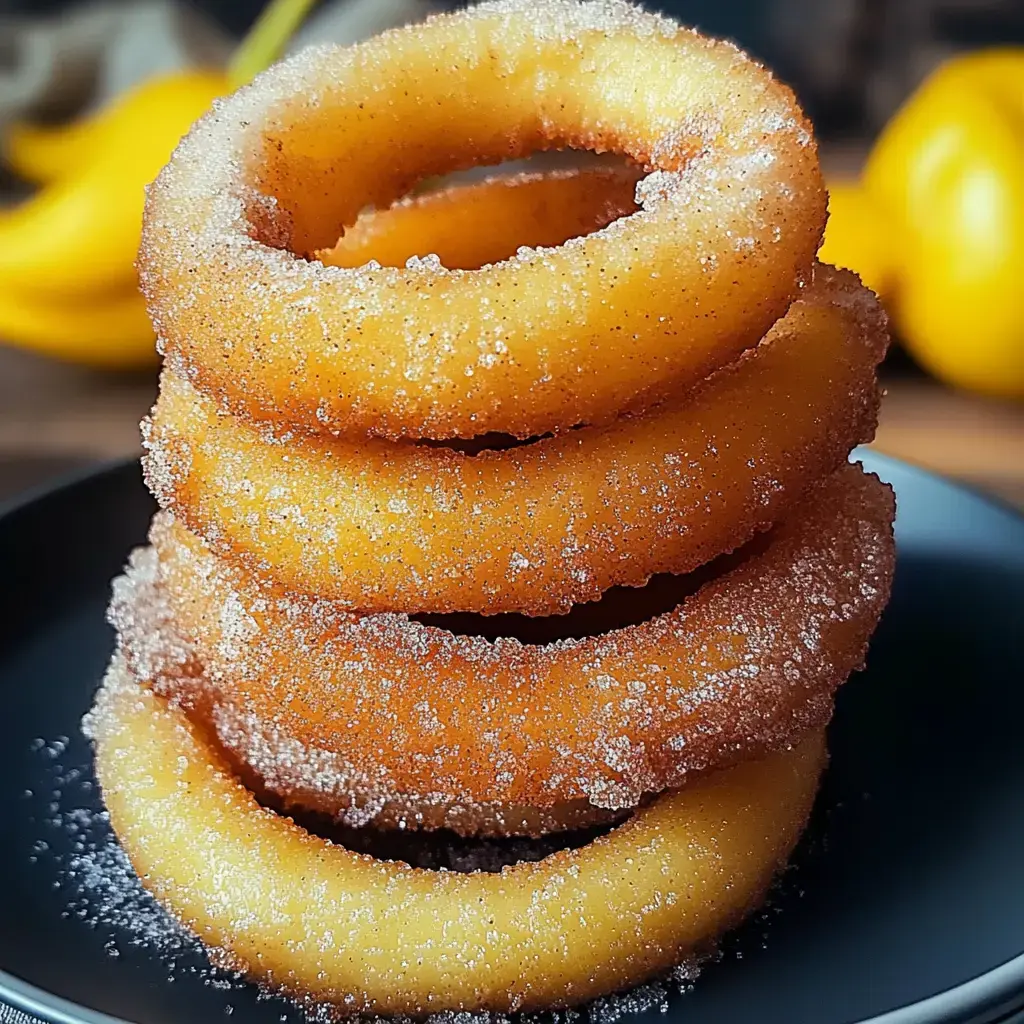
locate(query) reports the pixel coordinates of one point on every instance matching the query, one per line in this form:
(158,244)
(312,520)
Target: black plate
(907,902)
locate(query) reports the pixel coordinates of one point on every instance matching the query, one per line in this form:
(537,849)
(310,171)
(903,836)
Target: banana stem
(266,39)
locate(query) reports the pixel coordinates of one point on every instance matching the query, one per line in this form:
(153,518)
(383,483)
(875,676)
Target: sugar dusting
(543,526)
(734,193)
(304,693)
(99,884)
(269,682)
(103,892)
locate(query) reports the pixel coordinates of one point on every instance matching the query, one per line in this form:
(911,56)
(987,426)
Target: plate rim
(18,503)
(998,990)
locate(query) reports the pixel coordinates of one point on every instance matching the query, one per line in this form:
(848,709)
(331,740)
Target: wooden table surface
(53,416)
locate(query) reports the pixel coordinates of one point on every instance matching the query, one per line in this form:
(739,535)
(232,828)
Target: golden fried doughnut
(730,218)
(382,419)
(153,644)
(302,914)
(469,226)
(331,710)
(385,526)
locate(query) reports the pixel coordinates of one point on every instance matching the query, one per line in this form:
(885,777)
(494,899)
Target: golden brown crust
(730,218)
(687,378)
(299,913)
(381,710)
(380,526)
(469,226)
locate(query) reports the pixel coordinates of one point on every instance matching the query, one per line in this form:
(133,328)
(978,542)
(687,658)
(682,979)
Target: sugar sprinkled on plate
(103,893)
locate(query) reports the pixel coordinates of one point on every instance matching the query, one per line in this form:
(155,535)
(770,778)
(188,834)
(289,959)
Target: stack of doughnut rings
(524,508)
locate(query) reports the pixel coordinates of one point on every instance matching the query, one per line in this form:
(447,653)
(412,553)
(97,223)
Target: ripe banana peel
(79,235)
(111,333)
(68,286)
(43,154)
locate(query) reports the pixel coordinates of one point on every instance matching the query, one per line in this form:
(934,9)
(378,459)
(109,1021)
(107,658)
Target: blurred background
(918,104)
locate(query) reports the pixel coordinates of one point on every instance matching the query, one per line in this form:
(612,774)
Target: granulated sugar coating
(727,229)
(408,478)
(102,890)
(99,886)
(381,715)
(380,936)
(531,209)
(380,526)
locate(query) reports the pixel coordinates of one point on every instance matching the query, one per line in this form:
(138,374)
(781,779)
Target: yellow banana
(46,153)
(80,234)
(112,333)
(67,254)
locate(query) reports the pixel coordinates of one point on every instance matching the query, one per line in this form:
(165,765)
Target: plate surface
(906,904)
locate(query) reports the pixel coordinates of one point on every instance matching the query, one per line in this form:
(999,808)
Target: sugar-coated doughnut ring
(368,935)
(151,640)
(471,225)
(730,218)
(382,526)
(334,710)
